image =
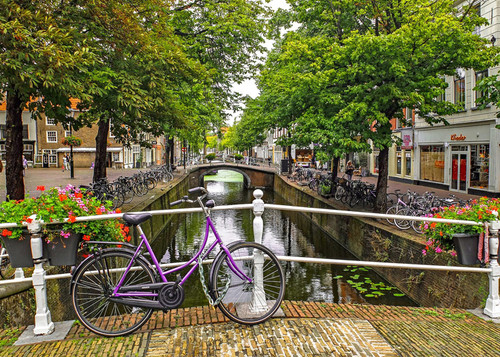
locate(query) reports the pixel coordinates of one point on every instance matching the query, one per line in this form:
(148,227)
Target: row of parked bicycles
(125,188)
(357,193)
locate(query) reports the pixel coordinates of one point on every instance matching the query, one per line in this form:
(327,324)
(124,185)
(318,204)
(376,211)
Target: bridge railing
(44,324)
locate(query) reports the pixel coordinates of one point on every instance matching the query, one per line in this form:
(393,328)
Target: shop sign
(458,137)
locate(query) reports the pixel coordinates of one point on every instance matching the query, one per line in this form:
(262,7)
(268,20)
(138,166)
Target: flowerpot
(62,251)
(19,251)
(466,245)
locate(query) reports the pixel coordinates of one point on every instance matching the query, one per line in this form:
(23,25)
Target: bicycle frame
(144,242)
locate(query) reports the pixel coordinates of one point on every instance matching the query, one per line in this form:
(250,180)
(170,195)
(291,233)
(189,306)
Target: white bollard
(43,318)
(492,308)
(259,296)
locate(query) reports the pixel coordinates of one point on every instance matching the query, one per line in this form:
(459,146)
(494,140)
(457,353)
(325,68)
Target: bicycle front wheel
(248,302)
(93,285)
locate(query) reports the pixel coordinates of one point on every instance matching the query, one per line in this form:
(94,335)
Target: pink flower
(424,252)
(65,235)
(438,250)
(453,253)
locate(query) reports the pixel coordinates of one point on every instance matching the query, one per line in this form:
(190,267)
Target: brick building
(43,144)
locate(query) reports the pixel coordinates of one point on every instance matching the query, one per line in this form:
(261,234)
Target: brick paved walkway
(308,329)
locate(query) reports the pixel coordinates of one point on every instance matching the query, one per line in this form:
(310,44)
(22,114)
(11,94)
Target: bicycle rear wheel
(248,302)
(93,285)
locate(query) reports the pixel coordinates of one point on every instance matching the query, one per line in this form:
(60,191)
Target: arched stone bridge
(253,176)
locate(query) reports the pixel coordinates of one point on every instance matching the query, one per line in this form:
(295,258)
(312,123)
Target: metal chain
(205,288)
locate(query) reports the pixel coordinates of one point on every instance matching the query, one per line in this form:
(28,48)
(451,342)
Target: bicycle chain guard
(171,296)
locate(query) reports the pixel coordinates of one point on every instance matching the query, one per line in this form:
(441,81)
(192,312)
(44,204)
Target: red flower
(29,220)
(86,237)
(78,195)
(63,197)
(118,210)
(6,233)
(72,219)
(98,211)
(40,188)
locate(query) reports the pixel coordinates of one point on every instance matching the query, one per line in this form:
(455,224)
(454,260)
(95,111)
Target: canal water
(285,233)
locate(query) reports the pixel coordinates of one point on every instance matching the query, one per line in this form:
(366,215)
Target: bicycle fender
(95,256)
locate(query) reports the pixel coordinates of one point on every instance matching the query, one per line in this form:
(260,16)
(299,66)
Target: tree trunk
(335,167)
(14,180)
(383,171)
(171,149)
(101,144)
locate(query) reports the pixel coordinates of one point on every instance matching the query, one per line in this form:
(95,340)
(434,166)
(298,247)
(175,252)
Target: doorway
(459,168)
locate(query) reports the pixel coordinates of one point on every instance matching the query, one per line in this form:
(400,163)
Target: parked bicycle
(115,290)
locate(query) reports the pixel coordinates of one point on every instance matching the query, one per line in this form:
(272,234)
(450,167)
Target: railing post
(492,307)
(259,298)
(43,318)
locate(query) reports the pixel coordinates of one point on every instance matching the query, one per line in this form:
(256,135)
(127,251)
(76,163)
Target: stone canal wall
(370,240)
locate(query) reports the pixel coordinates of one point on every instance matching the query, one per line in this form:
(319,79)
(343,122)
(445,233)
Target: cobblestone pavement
(308,329)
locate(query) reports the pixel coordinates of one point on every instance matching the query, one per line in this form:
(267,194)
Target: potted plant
(459,239)
(210,157)
(238,157)
(61,239)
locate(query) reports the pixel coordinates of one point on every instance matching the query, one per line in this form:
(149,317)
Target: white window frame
(67,133)
(47,136)
(50,121)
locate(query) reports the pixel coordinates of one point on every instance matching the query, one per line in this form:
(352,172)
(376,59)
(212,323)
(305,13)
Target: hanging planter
(71,141)
(19,251)
(62,250)
(466,245)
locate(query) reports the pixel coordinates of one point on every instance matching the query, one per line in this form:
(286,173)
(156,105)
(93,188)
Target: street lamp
(71,167)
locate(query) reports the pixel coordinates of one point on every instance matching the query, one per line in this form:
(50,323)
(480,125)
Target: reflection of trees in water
(285,233)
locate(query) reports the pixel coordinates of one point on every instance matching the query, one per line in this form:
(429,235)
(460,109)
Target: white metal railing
(44,325)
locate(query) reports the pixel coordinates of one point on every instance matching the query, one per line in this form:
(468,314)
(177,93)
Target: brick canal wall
(370,240)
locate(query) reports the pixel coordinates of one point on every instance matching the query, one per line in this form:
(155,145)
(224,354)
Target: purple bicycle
(115,290)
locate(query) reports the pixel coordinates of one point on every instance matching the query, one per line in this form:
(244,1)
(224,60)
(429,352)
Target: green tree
(352,66)
(41,62)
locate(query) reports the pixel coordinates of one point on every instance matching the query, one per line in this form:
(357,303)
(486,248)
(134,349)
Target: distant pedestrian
(65,163)
(269,161)
(92,165)
(25,165)
(349,170)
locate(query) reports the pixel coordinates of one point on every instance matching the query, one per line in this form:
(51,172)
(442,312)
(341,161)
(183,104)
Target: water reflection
(285,233)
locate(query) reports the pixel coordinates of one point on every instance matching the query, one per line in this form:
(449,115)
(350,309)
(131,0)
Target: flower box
(61,250)
(19,251)
(466,246)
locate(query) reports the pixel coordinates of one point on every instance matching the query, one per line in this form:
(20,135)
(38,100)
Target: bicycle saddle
(135,219)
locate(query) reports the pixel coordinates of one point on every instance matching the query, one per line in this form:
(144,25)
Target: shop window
(479,165)
(399,159)
(432,163)
(407,163)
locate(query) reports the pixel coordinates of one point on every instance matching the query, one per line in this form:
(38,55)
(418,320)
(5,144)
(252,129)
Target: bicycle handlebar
(186,198)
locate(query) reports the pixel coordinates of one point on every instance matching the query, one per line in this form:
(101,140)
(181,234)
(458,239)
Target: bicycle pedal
(178,279)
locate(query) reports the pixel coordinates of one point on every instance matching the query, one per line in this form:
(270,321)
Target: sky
(249,87)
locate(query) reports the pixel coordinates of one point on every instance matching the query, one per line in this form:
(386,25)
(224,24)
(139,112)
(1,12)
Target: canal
(285,233)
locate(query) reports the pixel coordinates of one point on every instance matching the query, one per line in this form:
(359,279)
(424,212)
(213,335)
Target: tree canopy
(351,66)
